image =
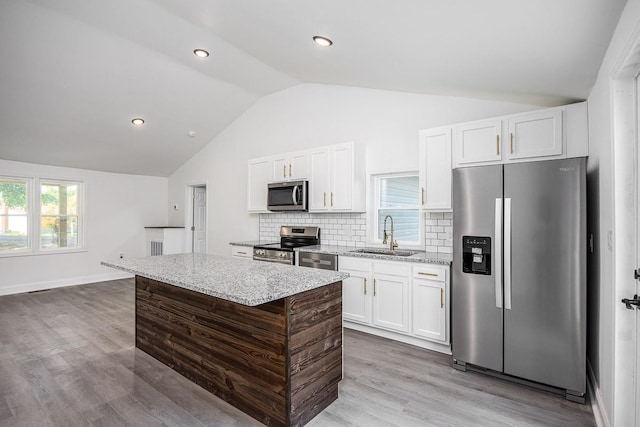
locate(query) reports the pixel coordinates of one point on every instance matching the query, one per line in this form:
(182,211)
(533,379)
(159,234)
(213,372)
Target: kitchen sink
(380,251)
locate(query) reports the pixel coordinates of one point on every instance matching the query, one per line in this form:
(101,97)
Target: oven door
(287,196)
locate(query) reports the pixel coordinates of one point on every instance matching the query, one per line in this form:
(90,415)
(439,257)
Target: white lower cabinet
(430,311)
(399,300)
(391,295)
(242,252)
(357,290)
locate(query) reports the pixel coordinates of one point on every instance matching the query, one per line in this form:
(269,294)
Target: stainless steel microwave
(288,196)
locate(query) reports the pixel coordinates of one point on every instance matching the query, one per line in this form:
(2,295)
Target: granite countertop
(238,280)
(419,257)
(251,243)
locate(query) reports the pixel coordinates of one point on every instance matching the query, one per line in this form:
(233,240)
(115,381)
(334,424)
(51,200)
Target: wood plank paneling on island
(279,362)
(315,343)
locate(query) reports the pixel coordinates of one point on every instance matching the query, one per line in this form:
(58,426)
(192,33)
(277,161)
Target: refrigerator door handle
(507,253)
(498,252)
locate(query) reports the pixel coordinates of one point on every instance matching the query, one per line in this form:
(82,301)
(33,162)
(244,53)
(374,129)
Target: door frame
(188,214)
(626,235)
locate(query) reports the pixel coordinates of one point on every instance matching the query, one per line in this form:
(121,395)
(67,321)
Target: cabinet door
(341,197)
(429,314)
(319,196)
(535,135)
(280,168)
(356,297)
(478,142)
(299,165)
(391,302)
(259,174)
(435,169)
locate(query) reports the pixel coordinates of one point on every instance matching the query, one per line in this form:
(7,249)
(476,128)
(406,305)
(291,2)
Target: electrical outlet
(121,255)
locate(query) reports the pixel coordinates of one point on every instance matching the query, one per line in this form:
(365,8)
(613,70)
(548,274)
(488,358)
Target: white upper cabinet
(291,166)
(435,169)
(336,179)
(319,179)
(478,142)
(336,175)
(553,133)
(536,134)
(258,176)
(342,177)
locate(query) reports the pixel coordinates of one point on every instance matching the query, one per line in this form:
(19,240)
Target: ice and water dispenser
(476,255)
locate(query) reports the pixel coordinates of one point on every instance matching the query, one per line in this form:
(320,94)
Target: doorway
(197,219)
(626,241)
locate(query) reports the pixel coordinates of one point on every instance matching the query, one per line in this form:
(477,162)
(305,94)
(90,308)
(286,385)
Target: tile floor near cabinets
(67,358)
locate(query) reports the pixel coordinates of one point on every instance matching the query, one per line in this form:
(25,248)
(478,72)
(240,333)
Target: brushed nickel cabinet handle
(511,135)
(365,285)
(498,145)
(325,199)
(332,199)
(289,169)
(427,274)
(422,195)
(242,253)
(441,298)
(374,287)
(284,171)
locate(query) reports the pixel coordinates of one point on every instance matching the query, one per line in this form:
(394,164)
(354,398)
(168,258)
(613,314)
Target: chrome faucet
(392,243)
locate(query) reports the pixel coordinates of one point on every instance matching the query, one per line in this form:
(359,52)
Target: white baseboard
(595,396)
(71,281)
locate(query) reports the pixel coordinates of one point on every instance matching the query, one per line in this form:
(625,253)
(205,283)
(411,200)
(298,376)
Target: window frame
(30,207)
(33,215)
(79,214)
(374,207)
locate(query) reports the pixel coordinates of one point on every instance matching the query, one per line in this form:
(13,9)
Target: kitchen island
(267,338)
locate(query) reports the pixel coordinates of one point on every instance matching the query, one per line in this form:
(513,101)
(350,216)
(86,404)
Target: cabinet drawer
(356,264)
(393,269)
(242,251)
(430,273)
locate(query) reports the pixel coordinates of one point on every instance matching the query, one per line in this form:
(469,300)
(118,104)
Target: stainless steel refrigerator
(519,272)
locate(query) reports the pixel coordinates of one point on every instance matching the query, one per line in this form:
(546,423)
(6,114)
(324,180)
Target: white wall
(117,208)
(610,192)
(306,116)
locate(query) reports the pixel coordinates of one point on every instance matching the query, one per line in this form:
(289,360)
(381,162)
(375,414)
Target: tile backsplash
(438,232)
(350,229)
(341,229)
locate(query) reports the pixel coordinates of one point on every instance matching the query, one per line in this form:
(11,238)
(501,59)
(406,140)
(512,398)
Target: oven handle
(281,261)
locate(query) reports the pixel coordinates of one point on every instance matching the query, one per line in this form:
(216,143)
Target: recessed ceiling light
(201,53)
(138,121)
(322,41)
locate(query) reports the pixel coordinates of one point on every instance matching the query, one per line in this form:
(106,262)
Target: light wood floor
(67,358)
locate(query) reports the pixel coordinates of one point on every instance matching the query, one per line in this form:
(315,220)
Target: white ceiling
(73,73)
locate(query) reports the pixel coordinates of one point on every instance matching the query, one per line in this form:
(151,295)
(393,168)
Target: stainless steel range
(290,237)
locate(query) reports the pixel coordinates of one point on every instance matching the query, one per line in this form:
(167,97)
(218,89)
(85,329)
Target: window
(28,227)
(59,202)
(397,195)
(14,215)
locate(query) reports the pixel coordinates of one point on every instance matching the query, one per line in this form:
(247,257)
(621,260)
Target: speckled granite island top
(242,281)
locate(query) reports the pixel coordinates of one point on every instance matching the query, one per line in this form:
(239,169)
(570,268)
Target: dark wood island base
(279,362)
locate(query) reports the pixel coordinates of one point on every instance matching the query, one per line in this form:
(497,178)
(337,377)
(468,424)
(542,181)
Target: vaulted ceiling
(73,73)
